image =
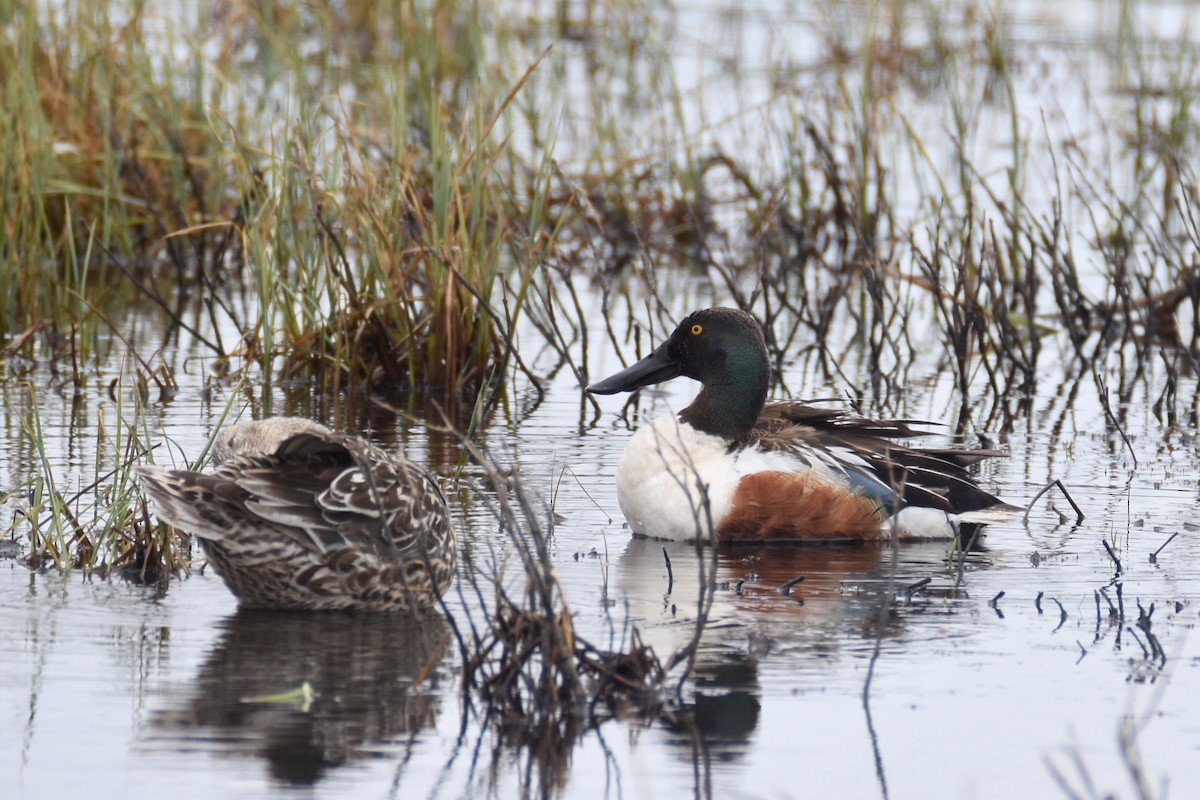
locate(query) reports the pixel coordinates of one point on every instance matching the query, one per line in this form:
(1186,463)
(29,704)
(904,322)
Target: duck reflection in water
(761,613)
(371,680)
(724,710)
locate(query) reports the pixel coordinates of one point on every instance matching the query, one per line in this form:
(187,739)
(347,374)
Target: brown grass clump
(534,680)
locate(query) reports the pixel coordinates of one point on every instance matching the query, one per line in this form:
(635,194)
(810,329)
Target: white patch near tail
(919,522)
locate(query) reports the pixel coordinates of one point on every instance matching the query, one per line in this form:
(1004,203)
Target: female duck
(298,517)
(732,464)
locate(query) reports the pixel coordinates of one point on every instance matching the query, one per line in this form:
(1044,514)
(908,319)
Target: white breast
(675,482)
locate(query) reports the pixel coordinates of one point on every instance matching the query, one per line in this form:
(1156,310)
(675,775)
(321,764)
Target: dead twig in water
(1111,554)
(1113,611)
(962,556)
(670,573)
(707,567)
(885,605)
(1144,624)
(1066,494)
(1062,615)
(787,587)
(1154,555)
(1138,639)
(1112,418)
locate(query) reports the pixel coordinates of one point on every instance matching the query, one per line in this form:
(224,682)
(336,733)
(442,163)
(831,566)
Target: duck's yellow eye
(697,330)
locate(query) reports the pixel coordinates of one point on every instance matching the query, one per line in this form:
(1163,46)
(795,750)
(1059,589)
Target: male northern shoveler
(298,517)
(783,471)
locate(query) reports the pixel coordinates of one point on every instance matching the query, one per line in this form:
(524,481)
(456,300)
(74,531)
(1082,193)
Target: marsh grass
(105,142)
(367,195)
(529,676)
(99,523)
(258,186)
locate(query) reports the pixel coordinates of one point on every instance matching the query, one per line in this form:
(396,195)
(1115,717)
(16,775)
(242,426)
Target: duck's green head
(724,349)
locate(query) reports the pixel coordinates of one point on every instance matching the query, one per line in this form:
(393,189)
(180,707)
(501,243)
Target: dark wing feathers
(933,477)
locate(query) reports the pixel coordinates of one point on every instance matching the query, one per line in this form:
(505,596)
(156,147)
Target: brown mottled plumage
(298,517)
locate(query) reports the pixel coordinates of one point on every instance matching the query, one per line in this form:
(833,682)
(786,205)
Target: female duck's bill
(298,517)
(732,465)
